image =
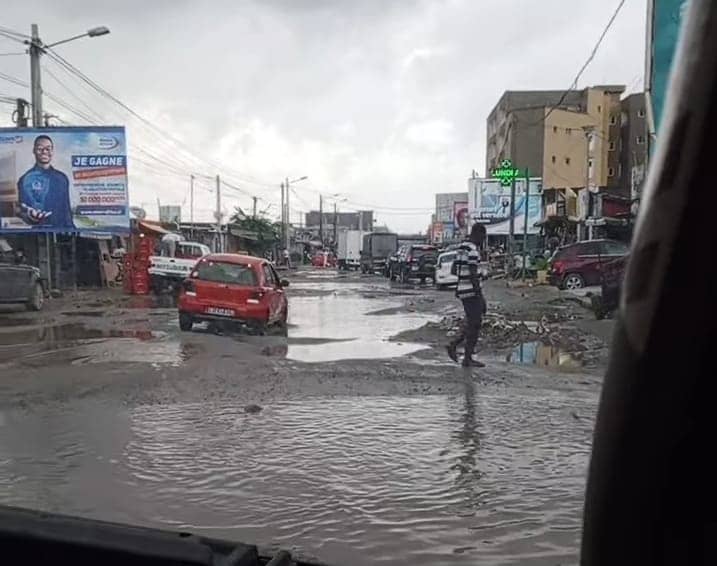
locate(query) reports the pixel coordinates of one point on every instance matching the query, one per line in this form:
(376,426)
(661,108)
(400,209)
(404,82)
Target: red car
(233,288)
(581,264)
(323,260)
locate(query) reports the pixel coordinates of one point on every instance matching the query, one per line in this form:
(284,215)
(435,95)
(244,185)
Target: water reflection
(544,355)
(468,437)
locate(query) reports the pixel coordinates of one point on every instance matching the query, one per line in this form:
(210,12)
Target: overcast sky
(384,102)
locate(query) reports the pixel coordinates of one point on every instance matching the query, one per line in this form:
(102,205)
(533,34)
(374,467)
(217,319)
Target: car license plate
(220,312)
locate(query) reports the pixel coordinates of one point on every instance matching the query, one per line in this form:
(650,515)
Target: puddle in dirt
(348,330)
(543,355)
(85,313)
(80,344)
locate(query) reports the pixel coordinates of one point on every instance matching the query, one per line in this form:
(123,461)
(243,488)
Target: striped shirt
(467,260)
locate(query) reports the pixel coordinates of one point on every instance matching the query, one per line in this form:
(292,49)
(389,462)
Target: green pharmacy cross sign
(506,173)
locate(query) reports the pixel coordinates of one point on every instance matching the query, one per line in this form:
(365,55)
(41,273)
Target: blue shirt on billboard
(45,194)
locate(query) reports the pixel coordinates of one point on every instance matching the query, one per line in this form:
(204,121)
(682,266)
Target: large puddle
(329,320)
(482,477)
(343,320)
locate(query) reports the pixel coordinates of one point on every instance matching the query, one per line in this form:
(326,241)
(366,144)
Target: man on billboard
(44,191)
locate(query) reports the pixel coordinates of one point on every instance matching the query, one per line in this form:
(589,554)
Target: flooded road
(420,480)
(428,466)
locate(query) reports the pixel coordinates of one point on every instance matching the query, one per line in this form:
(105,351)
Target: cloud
(382,101)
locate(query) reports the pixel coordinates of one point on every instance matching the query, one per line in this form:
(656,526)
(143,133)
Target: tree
(264,233)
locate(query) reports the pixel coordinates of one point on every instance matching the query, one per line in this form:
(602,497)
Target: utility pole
(35,80)
(254,213)
(321,219)
(191,200)
(336,223)
(511,223)
(283,216)
(218,214)
(20,115)
(288,215)
(525,220)
(588,139)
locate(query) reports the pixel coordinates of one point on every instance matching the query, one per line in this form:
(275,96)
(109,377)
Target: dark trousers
(474,308)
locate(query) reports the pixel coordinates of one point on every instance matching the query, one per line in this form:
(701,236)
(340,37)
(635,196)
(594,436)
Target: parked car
(21,284)
(415,261)
(608,301)
(323,259)
(233,288)
(581,264)
(444,277)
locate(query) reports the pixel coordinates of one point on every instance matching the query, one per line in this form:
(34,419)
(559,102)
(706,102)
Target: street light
(285,210)
(92,32)
(37,48)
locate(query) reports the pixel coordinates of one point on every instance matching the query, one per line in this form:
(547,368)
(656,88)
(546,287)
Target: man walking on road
(469,292)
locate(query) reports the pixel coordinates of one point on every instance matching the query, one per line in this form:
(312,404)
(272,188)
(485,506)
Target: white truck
(349,249)
(175,262)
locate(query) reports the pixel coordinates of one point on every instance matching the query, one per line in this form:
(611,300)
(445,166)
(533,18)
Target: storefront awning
(149,226)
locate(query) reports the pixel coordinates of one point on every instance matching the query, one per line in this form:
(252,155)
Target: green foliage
(267,232)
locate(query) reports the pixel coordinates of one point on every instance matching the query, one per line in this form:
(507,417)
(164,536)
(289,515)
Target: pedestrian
(287,258)
(469,291)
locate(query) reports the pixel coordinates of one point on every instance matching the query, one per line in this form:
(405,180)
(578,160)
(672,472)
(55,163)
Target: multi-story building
(633,145)
(582,143)
(548,132)
(362,220)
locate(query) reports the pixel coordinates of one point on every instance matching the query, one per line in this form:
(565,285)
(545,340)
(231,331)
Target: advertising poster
(460,217)
(437,232)
(489,204)
(65,180)
(665,24)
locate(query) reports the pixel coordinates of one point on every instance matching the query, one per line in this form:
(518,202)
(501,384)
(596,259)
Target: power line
(589,60)
(166,136)
(13,37)
(14,80)
(8,31)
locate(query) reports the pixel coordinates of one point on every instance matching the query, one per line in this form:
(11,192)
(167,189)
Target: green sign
(506,173)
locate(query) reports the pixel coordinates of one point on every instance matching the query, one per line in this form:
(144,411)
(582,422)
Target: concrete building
(548,132)
(587,145)
(362,220)
(633,145)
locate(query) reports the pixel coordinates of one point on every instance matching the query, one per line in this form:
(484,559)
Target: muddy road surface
(351,441)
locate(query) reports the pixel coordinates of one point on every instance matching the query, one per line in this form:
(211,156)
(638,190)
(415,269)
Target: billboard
(489,204)
(460,217)
(67,179)
(445,205)
(170,214)
(665,22)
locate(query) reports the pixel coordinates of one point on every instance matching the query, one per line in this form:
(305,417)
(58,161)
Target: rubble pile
(500,331)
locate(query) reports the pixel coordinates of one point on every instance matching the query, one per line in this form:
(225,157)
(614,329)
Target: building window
(553,159)
(599,108)
(613,120)
(610,172)
(567,161)
(640,139)
(568,131)
(590,162)
(641,112)
(555,129)
(611,146)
